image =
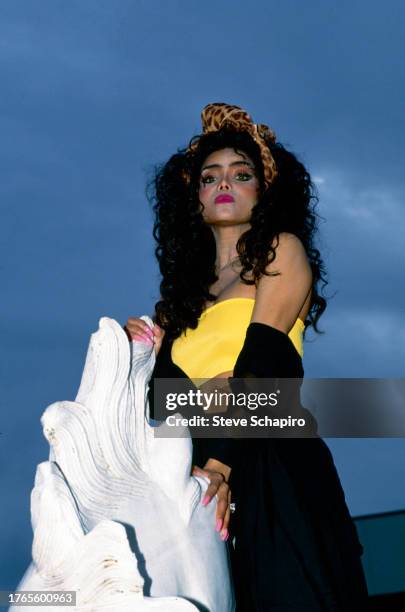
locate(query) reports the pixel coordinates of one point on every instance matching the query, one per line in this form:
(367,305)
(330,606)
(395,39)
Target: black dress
(296,546)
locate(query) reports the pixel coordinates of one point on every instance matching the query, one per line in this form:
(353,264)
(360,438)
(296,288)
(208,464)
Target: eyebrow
(235,163)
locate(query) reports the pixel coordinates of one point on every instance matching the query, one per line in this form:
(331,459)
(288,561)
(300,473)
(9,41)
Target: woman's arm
(268,351)
(280,299)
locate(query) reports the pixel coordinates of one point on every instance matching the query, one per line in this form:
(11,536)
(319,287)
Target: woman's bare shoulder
(282,293)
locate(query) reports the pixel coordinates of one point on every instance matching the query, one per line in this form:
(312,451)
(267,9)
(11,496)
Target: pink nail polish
(146,339)
(218,526)
(149,332)
(205,500)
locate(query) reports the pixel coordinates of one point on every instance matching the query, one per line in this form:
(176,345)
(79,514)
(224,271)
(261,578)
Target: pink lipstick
(224,198)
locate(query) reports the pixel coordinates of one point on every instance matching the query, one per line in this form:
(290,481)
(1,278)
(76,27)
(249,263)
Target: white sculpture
(116,515)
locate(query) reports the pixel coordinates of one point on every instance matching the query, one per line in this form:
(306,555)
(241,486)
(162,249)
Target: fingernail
(146,339)
(205,500)
(149,331)
(224,535)
(142,338)
(218,526)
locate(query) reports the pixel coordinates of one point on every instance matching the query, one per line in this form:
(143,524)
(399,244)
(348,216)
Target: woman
(235,228)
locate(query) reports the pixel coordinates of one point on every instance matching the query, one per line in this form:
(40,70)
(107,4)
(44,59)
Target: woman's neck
(226,238)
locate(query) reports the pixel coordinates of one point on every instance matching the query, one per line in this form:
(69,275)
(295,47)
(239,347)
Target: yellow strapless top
(214,345)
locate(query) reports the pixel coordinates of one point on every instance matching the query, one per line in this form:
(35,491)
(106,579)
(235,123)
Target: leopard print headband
(218,115)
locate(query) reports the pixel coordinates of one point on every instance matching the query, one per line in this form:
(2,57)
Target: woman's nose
(224,183)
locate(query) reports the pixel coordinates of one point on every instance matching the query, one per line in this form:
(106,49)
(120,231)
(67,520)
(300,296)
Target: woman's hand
(218,475)
(139,331)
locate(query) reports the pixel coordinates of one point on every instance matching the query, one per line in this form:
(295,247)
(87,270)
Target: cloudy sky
(93,94)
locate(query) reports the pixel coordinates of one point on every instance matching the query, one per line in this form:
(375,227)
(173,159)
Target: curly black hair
(186,250)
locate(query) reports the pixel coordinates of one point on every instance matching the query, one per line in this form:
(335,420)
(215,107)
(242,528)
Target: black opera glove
(270,364)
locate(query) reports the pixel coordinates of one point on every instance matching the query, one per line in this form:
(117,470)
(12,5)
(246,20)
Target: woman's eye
(240,176)
(208,178)
(244,176)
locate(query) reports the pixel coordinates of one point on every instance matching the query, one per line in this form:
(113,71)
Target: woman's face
(228,187)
